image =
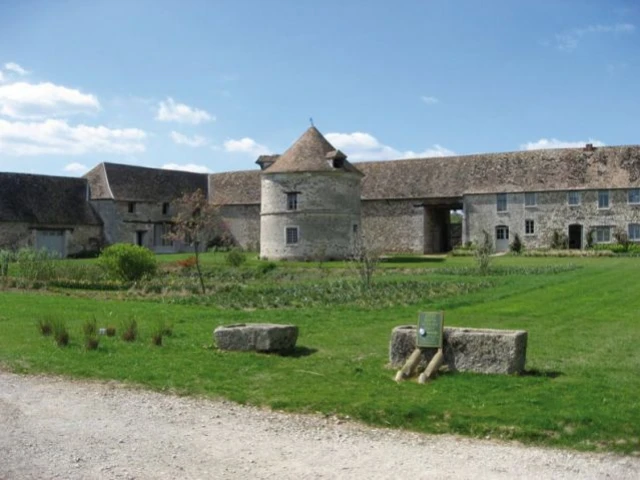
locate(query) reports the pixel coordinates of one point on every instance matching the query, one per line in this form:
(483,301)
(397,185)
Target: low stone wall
(466,349)
(261,337)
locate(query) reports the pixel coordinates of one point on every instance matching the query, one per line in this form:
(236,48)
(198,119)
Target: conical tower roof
(311,153)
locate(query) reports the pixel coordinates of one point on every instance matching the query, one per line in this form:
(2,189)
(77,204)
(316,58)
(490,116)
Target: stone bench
(465,349)
(260,337)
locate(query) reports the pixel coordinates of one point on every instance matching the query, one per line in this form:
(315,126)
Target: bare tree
(196,222)
(365,257)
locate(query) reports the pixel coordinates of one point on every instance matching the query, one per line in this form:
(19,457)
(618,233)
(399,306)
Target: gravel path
(56,428)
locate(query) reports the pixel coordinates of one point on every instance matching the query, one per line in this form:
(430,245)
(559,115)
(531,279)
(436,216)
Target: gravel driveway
(57,428)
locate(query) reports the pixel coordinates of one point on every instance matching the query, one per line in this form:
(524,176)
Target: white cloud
(170,111)
(75,168)
(429,100)
(1,77)
(569,40)
(57,137)
(363,146)
(36,101)
(546,143)
(15,68)
(195,141)
(189,167)
(246,145)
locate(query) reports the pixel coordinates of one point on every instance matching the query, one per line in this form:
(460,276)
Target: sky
(208,86)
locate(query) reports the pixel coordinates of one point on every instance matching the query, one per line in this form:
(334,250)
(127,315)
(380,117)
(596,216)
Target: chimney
(589,147)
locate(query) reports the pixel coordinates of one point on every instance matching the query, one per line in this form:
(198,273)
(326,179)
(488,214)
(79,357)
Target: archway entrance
(575,236)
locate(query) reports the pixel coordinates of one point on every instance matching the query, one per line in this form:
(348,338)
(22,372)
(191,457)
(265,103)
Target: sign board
(430,329)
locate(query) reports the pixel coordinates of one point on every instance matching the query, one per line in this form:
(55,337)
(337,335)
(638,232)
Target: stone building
(586,194)
(135,202)
(310,201)
(48,212)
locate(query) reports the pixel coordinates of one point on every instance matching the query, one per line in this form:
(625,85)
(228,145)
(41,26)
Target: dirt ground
(57,428)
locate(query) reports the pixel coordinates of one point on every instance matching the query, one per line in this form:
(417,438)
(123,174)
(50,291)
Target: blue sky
(210,85)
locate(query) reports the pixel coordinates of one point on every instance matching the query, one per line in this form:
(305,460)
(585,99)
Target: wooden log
(433,367)
(410,365)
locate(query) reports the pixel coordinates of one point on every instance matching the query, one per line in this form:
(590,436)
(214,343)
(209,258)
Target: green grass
(582,390)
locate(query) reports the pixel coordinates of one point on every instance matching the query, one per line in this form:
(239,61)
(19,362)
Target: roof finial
(311,121)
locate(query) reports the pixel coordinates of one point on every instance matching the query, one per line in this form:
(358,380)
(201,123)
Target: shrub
(36,265)
(516,246)
(91,342)
(591,233)
(6,257)
(235,258)
(130,330)
(483,253)
(559,240)
(60,333)
(111,331)
(157,334)
(264,268)
(128,262)
(45,326)
(90,327)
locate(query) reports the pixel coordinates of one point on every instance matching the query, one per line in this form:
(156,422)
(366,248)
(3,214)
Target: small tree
(516,246)
(196,222)
(365,258)
(483,253)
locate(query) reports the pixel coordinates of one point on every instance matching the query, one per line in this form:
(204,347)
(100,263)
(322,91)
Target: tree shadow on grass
(299,351)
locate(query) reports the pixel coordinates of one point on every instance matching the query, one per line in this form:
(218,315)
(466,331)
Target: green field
(581,390)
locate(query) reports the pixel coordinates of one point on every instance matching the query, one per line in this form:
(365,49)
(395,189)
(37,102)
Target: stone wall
(243,222)
(78,238)
(122,226)
(395,225)
(328,208)
(550,213)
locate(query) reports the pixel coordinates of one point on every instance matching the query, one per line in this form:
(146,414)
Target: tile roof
(142,184)
(311,153)
(45,200)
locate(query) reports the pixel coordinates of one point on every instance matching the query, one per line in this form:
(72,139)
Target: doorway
(575,236)
(502,238)
(140,234)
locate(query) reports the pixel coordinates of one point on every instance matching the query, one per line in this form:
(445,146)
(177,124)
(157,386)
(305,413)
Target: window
(603,198)
(131,207)
(603,234)
(633,196)
(355,228)
(165,209)
(530,199)
(501,202)
(634,232)
(502,233)
(292,201)
(529,227)
(160,230)
(573,198)
(291,234)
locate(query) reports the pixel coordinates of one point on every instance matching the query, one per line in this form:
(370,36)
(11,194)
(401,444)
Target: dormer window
(292,200)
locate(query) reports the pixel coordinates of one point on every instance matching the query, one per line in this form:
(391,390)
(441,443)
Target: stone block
(465,349)
(260,337)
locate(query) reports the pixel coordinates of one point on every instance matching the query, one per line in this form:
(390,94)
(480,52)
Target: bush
(483,253)
(91,342)
(36,265)
(45,326)
(90,327)
(6,257)
(235,258)
(559,241)
(130,330)
(264,268)
(111,331)
(60,333)
(516,246)
(127,262)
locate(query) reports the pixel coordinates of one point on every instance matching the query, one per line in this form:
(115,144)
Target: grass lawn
(582,389)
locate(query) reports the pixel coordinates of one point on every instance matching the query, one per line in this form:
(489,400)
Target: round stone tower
(310,206)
